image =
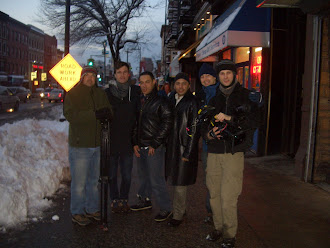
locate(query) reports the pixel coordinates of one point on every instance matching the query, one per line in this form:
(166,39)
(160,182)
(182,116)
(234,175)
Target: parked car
(39,93)
(8,102)
(21,92)
(56,95)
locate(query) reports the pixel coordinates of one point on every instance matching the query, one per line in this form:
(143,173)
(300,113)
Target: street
(32,108)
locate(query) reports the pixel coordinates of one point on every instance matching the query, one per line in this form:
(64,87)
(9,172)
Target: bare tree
(93,20)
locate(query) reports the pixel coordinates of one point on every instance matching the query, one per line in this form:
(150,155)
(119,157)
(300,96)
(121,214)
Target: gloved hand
(103,114)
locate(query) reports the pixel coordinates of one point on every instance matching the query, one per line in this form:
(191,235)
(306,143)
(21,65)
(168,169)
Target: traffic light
(90,62)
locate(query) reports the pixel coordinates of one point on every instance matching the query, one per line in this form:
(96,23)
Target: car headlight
(42,94)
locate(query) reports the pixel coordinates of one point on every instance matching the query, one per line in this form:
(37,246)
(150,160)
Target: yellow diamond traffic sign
(67,72)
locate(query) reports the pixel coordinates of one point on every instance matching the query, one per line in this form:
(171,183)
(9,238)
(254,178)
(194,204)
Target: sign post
(67,72)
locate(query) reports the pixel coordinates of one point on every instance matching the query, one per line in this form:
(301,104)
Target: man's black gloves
(103,114)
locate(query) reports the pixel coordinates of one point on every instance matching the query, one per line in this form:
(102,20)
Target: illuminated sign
(67,72)
(37,66)
(43,76)
(33,75)
(257,68)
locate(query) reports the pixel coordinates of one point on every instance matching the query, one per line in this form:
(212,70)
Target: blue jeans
(125,162)
(151,172)
(85,173)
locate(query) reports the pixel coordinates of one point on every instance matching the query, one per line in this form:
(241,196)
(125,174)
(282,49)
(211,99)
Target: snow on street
(33,162)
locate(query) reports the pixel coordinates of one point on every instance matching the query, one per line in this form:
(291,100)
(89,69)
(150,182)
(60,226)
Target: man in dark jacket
(182,146)
(235,113)
(208,78)
(84,106)
(124,99)
(154,123)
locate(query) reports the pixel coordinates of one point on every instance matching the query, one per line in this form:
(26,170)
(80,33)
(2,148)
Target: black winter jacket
(125,111)
(245,114)
(183,142)
(154,121)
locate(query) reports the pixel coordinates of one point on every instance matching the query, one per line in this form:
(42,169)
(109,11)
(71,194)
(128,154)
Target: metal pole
(67,27)
(104,70)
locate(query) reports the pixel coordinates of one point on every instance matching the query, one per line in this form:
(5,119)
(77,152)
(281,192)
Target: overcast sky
(25,12)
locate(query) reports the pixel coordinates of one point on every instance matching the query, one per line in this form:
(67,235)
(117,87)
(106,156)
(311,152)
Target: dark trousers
(125,163)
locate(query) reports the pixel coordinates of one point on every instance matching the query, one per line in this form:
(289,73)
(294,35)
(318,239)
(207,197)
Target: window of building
(242,54)
(226,54)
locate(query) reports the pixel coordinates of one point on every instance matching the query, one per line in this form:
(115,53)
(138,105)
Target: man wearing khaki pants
(235,114)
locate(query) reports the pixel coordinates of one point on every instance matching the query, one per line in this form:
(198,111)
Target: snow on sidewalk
(33,162)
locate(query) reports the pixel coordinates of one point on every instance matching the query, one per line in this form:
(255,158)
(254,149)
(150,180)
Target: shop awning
(191,47)
(242,24)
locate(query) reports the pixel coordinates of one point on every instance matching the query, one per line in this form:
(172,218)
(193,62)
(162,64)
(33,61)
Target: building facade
(281,52)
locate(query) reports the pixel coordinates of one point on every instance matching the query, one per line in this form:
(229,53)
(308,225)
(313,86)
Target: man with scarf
(208,79)
(225,161)
(124,99)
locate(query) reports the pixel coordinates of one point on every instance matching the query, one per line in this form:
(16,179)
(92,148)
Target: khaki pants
(179,202)
(224,179)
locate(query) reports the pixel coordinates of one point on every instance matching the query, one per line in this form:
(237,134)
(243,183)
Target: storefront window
(242,54)
(226,54)
(256,68)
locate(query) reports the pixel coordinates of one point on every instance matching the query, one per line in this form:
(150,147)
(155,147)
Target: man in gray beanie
(225,161)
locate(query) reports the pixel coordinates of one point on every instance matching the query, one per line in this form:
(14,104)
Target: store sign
(257,68)
(216,45)
(67,72)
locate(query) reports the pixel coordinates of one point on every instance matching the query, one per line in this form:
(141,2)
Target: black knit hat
(226,64)
(183,76)
(207,69)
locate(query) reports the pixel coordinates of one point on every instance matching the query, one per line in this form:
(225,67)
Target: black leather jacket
(154,121)
(183,142)
(245,114)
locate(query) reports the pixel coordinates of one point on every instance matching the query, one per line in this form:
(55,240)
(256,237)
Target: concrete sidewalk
(281,209)
(276,210)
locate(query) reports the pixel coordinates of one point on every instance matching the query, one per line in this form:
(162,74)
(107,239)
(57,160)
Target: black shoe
(163,215)
(214,236)
(142,205)
(228,243)
(174,222)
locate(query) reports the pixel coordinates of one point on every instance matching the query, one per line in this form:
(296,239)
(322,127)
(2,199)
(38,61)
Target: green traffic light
(90,63)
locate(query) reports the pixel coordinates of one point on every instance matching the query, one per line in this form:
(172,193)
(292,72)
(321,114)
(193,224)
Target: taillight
(59,95)
(48,95)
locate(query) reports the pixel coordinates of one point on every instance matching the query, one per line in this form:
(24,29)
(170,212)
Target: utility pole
(67,28)
(104,53)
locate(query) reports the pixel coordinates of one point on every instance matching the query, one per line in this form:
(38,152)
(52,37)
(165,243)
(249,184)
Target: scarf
(120,90)
(210,91)
(227,90)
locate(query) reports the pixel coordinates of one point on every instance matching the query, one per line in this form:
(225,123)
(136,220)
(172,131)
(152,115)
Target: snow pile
(33,162)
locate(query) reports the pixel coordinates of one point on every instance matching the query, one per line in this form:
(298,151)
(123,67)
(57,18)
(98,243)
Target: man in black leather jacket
(225,161)
(154,122)
(182,146)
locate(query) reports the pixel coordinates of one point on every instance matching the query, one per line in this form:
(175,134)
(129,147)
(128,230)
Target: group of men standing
(163,133)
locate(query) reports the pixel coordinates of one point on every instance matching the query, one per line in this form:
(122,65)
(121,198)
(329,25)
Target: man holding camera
(84,106)
(225,161)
